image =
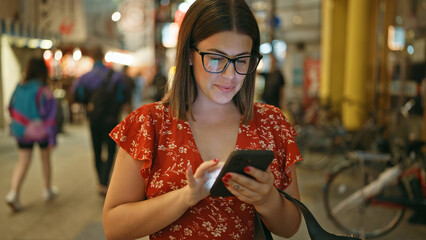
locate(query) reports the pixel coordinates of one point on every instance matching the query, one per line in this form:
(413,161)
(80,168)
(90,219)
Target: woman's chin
(223,101)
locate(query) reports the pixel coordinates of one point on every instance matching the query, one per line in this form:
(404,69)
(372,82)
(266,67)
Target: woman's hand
(252,191)
(195,188)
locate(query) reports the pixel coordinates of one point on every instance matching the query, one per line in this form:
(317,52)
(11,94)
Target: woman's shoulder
(154,111)
(154,107)
(33,87)
(29,84)
(144,122)
(265,114)
(272,117)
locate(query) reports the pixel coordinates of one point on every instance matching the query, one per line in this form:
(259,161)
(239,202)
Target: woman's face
(220,87)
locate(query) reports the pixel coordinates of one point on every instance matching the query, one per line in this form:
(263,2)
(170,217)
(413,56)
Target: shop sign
(62,18)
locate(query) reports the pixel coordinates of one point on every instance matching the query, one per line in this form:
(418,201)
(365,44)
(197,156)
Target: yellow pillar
(326,46)
(334,14)
(353,112)
(338,53)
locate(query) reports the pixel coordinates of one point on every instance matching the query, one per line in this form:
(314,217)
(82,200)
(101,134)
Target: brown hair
(36,69)
(203,19)
(97,53)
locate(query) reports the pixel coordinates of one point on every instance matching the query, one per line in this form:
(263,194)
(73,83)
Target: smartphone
(236,162)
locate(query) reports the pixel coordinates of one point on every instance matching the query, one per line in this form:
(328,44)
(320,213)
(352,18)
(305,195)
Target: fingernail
(226,185)
(247,169)
(225,179)
(215,160)
(228,176)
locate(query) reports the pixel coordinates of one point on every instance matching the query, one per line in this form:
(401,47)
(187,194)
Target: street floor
(77,211)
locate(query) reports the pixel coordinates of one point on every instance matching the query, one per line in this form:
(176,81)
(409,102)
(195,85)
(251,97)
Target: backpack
(102,101)
(35,129)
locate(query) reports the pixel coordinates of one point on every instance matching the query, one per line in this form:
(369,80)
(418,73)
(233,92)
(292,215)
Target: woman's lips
(225,88)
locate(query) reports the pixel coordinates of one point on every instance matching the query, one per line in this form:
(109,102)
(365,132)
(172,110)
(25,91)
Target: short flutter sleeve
(288,150)
(279,134)
(136,135)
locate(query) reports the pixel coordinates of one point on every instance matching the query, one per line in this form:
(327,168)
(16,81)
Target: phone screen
(236,162)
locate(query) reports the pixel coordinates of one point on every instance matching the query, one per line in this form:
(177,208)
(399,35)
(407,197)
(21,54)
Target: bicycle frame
(404,202)
(370,190)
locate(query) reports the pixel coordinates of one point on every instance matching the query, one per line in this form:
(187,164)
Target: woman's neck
(206,106)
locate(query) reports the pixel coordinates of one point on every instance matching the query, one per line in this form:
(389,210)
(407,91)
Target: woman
(207,113)
(33,111)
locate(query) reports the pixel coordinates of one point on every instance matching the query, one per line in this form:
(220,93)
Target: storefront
(373,59)
(371,53)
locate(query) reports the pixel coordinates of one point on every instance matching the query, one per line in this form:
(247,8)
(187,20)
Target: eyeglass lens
(214,63)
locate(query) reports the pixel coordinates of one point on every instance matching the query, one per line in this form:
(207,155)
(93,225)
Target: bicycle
(324,139)
(317,131)
(368,195)
(371,186)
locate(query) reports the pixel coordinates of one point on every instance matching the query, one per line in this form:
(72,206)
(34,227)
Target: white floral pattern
(166,147)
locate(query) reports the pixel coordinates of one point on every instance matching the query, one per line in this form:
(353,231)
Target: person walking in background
(139,81)
(103,92)
(273,93)
(129,88)
(167,148)
(137,94)
(33,110)
(160,85)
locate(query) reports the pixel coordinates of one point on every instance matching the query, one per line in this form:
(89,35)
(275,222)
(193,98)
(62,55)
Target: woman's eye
(242,60)
(218,59)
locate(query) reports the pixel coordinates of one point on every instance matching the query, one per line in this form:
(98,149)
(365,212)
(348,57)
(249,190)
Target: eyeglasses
(217,63)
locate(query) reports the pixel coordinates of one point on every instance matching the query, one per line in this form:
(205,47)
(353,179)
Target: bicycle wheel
(368,217)
(315,146)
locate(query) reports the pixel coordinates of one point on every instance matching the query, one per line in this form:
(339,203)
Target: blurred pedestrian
(129,88)
(138,91)
(33,111)
(102,91)
(160,85)
(273,93)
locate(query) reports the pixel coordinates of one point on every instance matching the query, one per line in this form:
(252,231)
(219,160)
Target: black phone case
(236,162)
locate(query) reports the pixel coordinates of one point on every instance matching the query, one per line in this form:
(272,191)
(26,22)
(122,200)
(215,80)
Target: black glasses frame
(233,60)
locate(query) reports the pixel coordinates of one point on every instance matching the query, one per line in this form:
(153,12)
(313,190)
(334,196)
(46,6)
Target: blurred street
(344,67)
(77,211)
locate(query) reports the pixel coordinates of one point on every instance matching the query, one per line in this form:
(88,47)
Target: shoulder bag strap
(316,232)
(108,78)
(261,232)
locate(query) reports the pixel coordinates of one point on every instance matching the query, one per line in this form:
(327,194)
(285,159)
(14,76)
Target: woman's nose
(229,71)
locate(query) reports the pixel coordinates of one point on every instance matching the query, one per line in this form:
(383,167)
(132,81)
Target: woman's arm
(126,213)
(279,214)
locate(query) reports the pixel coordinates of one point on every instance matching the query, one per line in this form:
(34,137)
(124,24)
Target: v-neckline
(198,153)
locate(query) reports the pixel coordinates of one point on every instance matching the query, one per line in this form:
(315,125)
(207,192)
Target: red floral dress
(166,146)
